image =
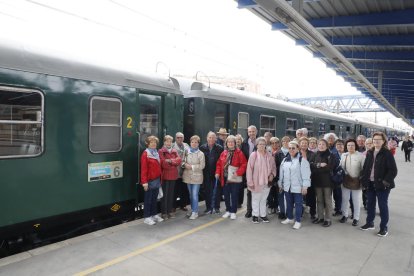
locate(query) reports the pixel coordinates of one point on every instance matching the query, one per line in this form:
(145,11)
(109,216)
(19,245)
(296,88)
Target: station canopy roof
(368,42)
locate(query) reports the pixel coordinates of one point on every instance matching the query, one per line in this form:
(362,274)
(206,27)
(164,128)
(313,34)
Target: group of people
(280,176)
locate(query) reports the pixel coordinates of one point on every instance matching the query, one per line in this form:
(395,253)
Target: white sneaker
(232,216)
(157,218)
(193,215)
(226,215)
(287,221)
(297,225)
(149,221)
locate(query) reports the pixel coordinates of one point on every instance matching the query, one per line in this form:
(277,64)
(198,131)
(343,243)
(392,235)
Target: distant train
(71,135)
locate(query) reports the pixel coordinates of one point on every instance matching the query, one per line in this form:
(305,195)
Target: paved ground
(214,246)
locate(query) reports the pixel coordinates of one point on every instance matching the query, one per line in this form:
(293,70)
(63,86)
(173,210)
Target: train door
(221,116)
(150,114)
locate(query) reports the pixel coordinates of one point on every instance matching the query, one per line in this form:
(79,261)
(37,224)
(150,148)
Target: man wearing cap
(222,136)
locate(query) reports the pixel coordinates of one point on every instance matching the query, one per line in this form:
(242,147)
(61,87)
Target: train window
(309,126)
(220,116)
(341,132)
(291,126)
(322,129)
(21,122)
(332,128)
(105,123)
(267,124)
(243,123)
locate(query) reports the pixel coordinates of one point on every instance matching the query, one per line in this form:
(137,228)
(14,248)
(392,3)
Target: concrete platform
(211,245)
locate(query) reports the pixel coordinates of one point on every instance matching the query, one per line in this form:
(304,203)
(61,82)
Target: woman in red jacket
(151,180)
(170,160)
(230,168)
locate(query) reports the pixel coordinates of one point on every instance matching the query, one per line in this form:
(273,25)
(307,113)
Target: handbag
(232,176)
(154,184)
(337,176)
(351,183)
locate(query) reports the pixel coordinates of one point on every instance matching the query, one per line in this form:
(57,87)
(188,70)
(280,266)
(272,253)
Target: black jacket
(321,177)
(407,144)
(279,156)
(385,170)
(210,170)
(245,148)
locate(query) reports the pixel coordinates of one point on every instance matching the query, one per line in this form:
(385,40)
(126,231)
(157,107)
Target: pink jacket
(259,168)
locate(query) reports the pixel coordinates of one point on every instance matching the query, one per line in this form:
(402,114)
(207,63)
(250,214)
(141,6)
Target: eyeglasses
(292,148)
(179,137)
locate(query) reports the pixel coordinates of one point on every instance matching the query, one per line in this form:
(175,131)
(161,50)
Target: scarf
(229,157)
(169,149)
(285,151)
(193,150)
(153,153)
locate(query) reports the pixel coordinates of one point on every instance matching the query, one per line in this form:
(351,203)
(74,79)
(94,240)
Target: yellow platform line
(148,248)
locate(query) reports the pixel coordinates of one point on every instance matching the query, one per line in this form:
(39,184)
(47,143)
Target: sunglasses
(292,148)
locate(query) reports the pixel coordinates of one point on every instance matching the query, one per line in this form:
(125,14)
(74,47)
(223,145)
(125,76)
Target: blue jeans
(231,195)
(150,202)
(297,199)
(193,189)
(382,196)
(281,201)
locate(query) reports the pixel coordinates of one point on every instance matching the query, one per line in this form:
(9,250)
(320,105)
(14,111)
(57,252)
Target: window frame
(42,121)
(238,121)
(294,125)
(267,129)
(114,99)
(310,131)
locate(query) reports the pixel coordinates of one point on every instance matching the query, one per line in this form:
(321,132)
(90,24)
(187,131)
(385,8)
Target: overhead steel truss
(341,104)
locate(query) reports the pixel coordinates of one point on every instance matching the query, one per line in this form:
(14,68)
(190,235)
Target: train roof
(193,88)
(31,59)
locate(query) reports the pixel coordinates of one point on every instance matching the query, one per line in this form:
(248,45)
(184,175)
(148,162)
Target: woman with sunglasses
(294,180)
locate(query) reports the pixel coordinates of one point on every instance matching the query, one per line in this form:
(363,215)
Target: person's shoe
(327,223)
(313,218)
(226,215)
(184,209)
(208,211)
(149,221)
(171,215)
(367,226)
(343,219)
(248,214)
(255,219)
(297,225)
(337,213)
(317,221)
(164,216)
(193,215)
(355,222)
(287,221)
(216,211)
(352,216)
(382,233)
(282,216)
(233,216)
(157,218)
(265,219)
(271,211)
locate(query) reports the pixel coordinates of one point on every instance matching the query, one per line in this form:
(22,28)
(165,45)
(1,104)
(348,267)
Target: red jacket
(169,170)
(238,160)
(150,168)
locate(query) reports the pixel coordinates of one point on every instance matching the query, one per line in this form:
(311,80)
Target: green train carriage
(209,108)
(70,139)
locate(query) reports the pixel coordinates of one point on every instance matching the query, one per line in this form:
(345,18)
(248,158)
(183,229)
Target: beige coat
(197,162)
